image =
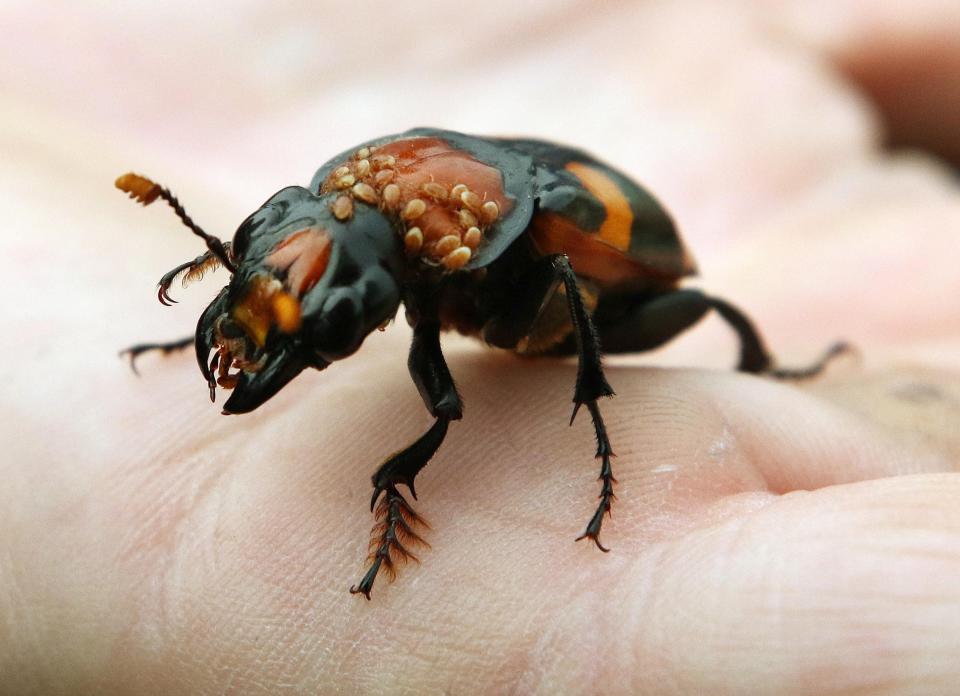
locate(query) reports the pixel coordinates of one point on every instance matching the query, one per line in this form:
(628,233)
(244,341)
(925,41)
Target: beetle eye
(241,240)
(228,328)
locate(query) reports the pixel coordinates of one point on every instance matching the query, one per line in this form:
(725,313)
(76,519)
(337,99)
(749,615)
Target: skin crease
(768,538)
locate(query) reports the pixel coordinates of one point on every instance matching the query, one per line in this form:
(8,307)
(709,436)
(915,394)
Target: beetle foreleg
(133,352)
(403,466)
(191,270)
(395,516)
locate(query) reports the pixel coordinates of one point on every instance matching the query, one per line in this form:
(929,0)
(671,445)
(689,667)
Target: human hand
(767,538)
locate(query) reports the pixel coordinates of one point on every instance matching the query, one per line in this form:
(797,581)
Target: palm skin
(767,538)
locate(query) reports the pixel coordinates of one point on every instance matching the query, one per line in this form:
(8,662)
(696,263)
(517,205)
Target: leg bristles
(392,536)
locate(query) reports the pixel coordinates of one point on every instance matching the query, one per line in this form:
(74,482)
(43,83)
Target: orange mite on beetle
(527,245)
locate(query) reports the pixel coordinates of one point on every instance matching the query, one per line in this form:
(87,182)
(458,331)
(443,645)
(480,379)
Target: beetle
(530,246)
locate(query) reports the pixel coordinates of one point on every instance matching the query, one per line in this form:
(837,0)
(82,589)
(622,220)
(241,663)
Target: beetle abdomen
(613,230)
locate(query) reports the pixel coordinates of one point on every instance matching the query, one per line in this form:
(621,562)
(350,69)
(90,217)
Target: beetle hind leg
(650,322)
(755,358)
(834,350)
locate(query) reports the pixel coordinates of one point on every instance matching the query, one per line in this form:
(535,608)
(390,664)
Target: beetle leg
(163,287)
(396,525)
(591,385)
(396,520)
(133,352)
(649,322)
(604,452)
(644,323)
(834,350)
(754,356)
(191,270)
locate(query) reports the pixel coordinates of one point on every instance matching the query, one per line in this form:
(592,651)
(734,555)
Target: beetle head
(306,288)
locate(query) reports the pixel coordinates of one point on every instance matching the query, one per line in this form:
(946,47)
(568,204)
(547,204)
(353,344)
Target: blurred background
(760,123)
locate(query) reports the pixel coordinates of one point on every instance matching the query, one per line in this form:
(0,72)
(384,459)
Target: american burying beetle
(527,245)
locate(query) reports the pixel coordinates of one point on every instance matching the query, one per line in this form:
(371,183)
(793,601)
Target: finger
(845,590)
(827,268)
(849,586)
(683,438)
(915,404)
(905,56)
(237,541)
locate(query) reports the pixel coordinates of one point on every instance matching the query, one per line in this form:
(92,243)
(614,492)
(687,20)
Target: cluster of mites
(369,177)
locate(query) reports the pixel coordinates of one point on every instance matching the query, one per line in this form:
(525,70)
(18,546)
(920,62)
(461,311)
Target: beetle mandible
(530,246)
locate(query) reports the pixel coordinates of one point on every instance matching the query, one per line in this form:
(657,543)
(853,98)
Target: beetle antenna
(145,191)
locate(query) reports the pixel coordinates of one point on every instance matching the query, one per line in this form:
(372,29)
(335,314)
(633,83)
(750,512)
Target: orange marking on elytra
(554,234)
(615,229)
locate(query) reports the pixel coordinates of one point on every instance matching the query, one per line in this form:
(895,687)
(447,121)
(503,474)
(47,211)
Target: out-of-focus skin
(769,538)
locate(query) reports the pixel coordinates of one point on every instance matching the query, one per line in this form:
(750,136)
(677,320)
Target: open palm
(767,537)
